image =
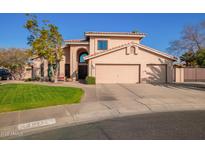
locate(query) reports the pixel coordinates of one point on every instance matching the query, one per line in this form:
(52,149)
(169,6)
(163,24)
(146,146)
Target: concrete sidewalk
(35,120)
(102,102)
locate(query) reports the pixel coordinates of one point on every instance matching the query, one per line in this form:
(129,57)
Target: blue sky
(160,28)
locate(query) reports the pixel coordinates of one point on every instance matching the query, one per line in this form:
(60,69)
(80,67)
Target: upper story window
(102,44)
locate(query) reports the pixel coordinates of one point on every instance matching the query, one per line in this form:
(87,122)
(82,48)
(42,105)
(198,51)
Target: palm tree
(188,58)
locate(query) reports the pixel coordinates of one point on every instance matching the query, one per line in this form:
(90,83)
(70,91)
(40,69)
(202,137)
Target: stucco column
(143,73)
(90,68)
(75,65)
(45,69)
(179,74)
(71,63)
(62,67)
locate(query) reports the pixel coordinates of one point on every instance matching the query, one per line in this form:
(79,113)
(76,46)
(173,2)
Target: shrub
(37,78)
(90,80)
(27,80)
(32,79)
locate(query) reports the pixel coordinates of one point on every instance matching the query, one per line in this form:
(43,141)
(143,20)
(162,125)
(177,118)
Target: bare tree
(15,60)
(192,39)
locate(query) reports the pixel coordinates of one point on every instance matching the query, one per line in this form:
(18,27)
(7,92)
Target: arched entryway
(82,64)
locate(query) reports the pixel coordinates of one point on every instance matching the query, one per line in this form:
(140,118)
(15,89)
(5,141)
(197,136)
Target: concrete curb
(12,132)
(186,84)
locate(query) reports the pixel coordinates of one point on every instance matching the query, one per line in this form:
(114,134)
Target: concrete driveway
(106,101)
(154,98)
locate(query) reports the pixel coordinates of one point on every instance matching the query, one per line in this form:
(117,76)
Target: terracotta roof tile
(116,33)
(81,40)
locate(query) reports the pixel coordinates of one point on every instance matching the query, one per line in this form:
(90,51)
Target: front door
(67,70)
(82,70)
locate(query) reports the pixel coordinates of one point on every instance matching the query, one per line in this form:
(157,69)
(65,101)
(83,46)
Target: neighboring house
(27,72)
(39,70)
(114,57)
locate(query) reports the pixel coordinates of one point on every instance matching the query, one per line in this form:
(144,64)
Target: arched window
(81,57)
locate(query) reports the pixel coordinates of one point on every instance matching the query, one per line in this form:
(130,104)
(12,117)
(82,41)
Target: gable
(131,55)
(132,45)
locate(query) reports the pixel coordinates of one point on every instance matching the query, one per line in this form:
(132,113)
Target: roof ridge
(96,32)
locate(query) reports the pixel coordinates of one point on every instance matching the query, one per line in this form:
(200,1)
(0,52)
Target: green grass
(27,96)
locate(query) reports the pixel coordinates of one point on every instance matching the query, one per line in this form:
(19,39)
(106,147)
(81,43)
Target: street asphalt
(153,126)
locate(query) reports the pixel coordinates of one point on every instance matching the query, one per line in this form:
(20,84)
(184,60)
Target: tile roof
(116,33)
(129,34)
(80,40)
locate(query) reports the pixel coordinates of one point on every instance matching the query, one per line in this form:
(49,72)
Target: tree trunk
(56,72)
(42,63)
(52,72)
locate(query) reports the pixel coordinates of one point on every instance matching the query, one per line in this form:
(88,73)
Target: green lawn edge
(15,97)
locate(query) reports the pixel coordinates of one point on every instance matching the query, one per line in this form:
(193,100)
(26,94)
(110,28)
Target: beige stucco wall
(112,42)
(141,57)
(62,66)
(27,73)
(66,51)
(179,75)
(36,67)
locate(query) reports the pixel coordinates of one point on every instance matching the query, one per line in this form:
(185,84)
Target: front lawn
(27,96)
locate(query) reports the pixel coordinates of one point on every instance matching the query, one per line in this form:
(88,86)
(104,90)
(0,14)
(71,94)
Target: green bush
(27,80)
(32,79)
(37,78)
(90,80)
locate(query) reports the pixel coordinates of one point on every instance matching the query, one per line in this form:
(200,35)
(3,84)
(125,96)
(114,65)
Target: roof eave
(115,35)
(69,43)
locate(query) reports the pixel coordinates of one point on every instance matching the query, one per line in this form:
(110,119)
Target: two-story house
(115,57)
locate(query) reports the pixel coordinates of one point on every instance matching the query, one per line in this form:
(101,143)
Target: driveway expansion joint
(123,86)
(144,105)
(110,108)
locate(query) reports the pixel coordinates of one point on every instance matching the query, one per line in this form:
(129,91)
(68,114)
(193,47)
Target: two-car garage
(120,66)
(130,73)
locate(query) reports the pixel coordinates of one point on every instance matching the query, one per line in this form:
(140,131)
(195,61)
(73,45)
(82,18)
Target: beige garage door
(119,73)
(156,73)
